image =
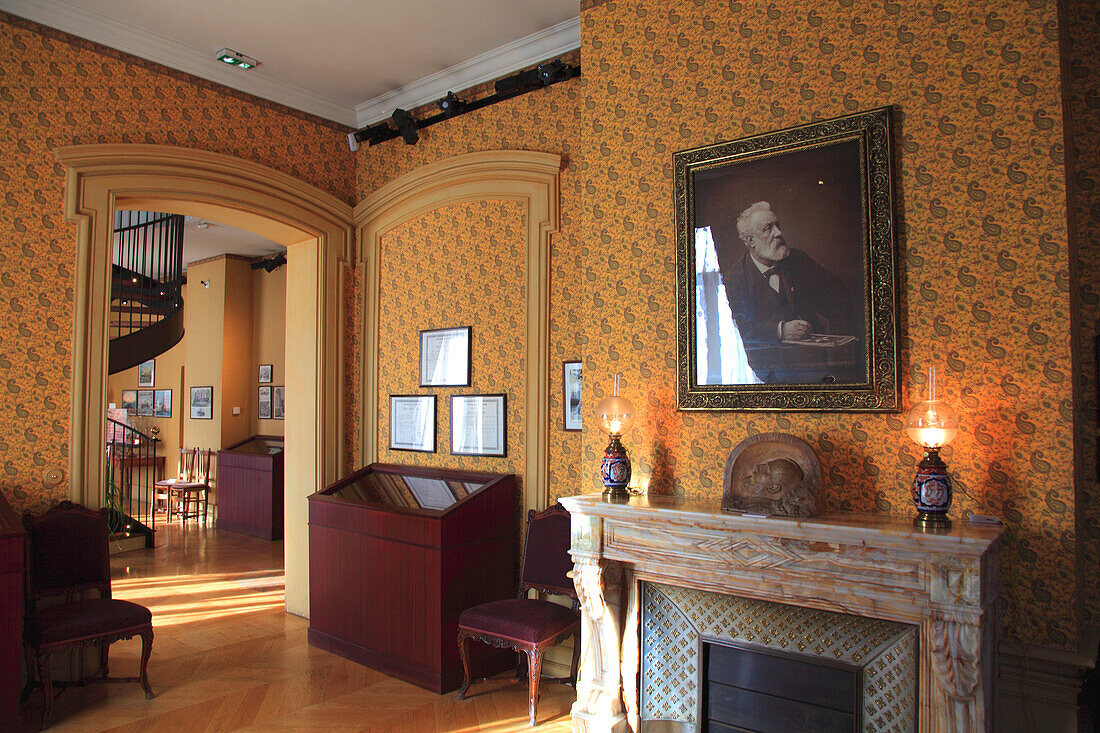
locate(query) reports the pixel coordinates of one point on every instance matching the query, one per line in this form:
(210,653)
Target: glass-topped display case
(396,553)
(250,487)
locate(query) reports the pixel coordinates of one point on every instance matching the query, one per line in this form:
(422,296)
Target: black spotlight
(369,135)
(270,264)
(406,125)
(552,72)
(451,105)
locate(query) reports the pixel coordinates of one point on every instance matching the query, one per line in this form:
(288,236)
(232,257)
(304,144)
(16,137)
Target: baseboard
(1038,687)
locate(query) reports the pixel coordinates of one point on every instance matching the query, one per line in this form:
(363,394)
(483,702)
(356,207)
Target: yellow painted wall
(238,376)
(167,373)
(268,339)
(203,318)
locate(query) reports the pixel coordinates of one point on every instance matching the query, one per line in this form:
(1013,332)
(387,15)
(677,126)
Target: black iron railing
(132,469)
(148,270)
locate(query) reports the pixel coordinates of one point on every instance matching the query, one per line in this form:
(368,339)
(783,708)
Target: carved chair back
(67,553)
(546,561)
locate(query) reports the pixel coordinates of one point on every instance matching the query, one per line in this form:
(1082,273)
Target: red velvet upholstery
(84,619)
(522,619)
(67,554)
(531,625)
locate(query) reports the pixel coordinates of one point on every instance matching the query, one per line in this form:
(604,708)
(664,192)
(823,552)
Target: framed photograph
(202,403)
(571,395)
(129,401)
(162,403)
(145,373)
(264,375)
(277,403)
(786,294)
(263,404)
(145,403)
(412,423)
(445,357)
(478,425)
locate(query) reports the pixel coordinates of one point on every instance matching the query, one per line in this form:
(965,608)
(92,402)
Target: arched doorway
(317,230)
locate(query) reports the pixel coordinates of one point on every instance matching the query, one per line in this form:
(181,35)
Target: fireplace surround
(873,566)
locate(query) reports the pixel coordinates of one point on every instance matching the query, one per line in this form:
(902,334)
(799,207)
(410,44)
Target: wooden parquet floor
(226,657)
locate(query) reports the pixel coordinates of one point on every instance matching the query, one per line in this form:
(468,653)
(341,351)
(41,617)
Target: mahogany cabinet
(396,553)
(250,487)
(12,538)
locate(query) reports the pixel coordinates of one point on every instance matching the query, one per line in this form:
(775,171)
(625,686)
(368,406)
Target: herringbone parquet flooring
(226,657)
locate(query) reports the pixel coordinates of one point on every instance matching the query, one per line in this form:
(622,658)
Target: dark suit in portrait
(807,292)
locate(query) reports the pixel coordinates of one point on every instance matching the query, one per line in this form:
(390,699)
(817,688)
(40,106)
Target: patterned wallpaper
(57,90)
(459,265)
(1082,22)
(983,247)
(547,120)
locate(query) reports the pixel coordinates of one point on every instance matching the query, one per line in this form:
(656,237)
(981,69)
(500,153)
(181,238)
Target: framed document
(129,401)
(263,376)
(478,425)
(571,395)
(202,403)
(412,423)
(263,404)
(445,357)
(145,373)
(431,493)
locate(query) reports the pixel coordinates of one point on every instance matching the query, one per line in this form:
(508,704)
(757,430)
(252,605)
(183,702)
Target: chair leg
(534,673)
(32,670)
(146,650)
(576,659)
(463,652)
(104,650)
(47,688)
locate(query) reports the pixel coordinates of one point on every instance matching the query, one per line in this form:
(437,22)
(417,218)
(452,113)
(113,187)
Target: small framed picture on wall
(129,401)
(445,357)
(263,404)
(162,403)
(277,403)
(264,376)
(202,403)
(145,373)
(145,403)
(478,425)
(571,395)
(412,423)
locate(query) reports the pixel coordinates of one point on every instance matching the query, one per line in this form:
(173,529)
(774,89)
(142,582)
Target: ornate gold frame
(880,392)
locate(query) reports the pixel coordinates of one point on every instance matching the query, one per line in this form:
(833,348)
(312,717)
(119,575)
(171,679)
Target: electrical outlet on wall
(236,411)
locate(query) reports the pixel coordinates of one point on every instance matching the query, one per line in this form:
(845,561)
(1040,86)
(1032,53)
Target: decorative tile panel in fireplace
(675,621)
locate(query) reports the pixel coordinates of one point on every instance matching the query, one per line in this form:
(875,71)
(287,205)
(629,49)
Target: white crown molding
(557,39)
(175,55)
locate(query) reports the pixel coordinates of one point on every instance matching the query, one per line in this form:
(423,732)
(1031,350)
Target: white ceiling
(351,61)
(216,239)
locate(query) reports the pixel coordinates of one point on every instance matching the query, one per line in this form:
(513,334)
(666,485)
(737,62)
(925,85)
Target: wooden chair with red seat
(192,492)
(67,558)
(531,625)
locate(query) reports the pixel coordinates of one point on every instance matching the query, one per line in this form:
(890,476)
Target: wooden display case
(250,487)
(396,553)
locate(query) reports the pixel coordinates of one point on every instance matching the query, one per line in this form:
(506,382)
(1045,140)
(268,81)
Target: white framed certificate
(445,357)
(412,422)
(478,425)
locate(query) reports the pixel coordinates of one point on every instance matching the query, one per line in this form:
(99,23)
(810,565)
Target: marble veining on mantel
(878,566)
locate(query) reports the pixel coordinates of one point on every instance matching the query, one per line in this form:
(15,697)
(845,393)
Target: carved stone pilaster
(955,700)
(599,706)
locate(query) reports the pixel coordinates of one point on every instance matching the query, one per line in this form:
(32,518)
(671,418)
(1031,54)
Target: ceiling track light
(232,58)
(404,125)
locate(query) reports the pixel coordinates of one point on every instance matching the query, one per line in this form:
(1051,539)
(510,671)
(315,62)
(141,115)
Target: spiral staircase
(145,320)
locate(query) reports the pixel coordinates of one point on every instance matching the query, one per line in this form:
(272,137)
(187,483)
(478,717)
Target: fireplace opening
(751,688)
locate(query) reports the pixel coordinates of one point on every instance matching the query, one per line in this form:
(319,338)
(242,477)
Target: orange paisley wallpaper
(983,247)
(548,120)
(56,90)
(459,265)
(987,269)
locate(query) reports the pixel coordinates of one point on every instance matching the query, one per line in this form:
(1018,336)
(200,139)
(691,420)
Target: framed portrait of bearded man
(786,294)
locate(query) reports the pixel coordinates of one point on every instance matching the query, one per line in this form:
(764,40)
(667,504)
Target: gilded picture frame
(786,270)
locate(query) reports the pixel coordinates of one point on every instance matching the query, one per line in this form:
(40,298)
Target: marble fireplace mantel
(877,566)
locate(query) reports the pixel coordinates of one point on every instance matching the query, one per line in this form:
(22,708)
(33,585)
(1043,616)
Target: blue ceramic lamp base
(932,491)
(615,470)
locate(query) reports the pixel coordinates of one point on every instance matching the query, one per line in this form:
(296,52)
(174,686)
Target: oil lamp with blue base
(616,415)
(932,424)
